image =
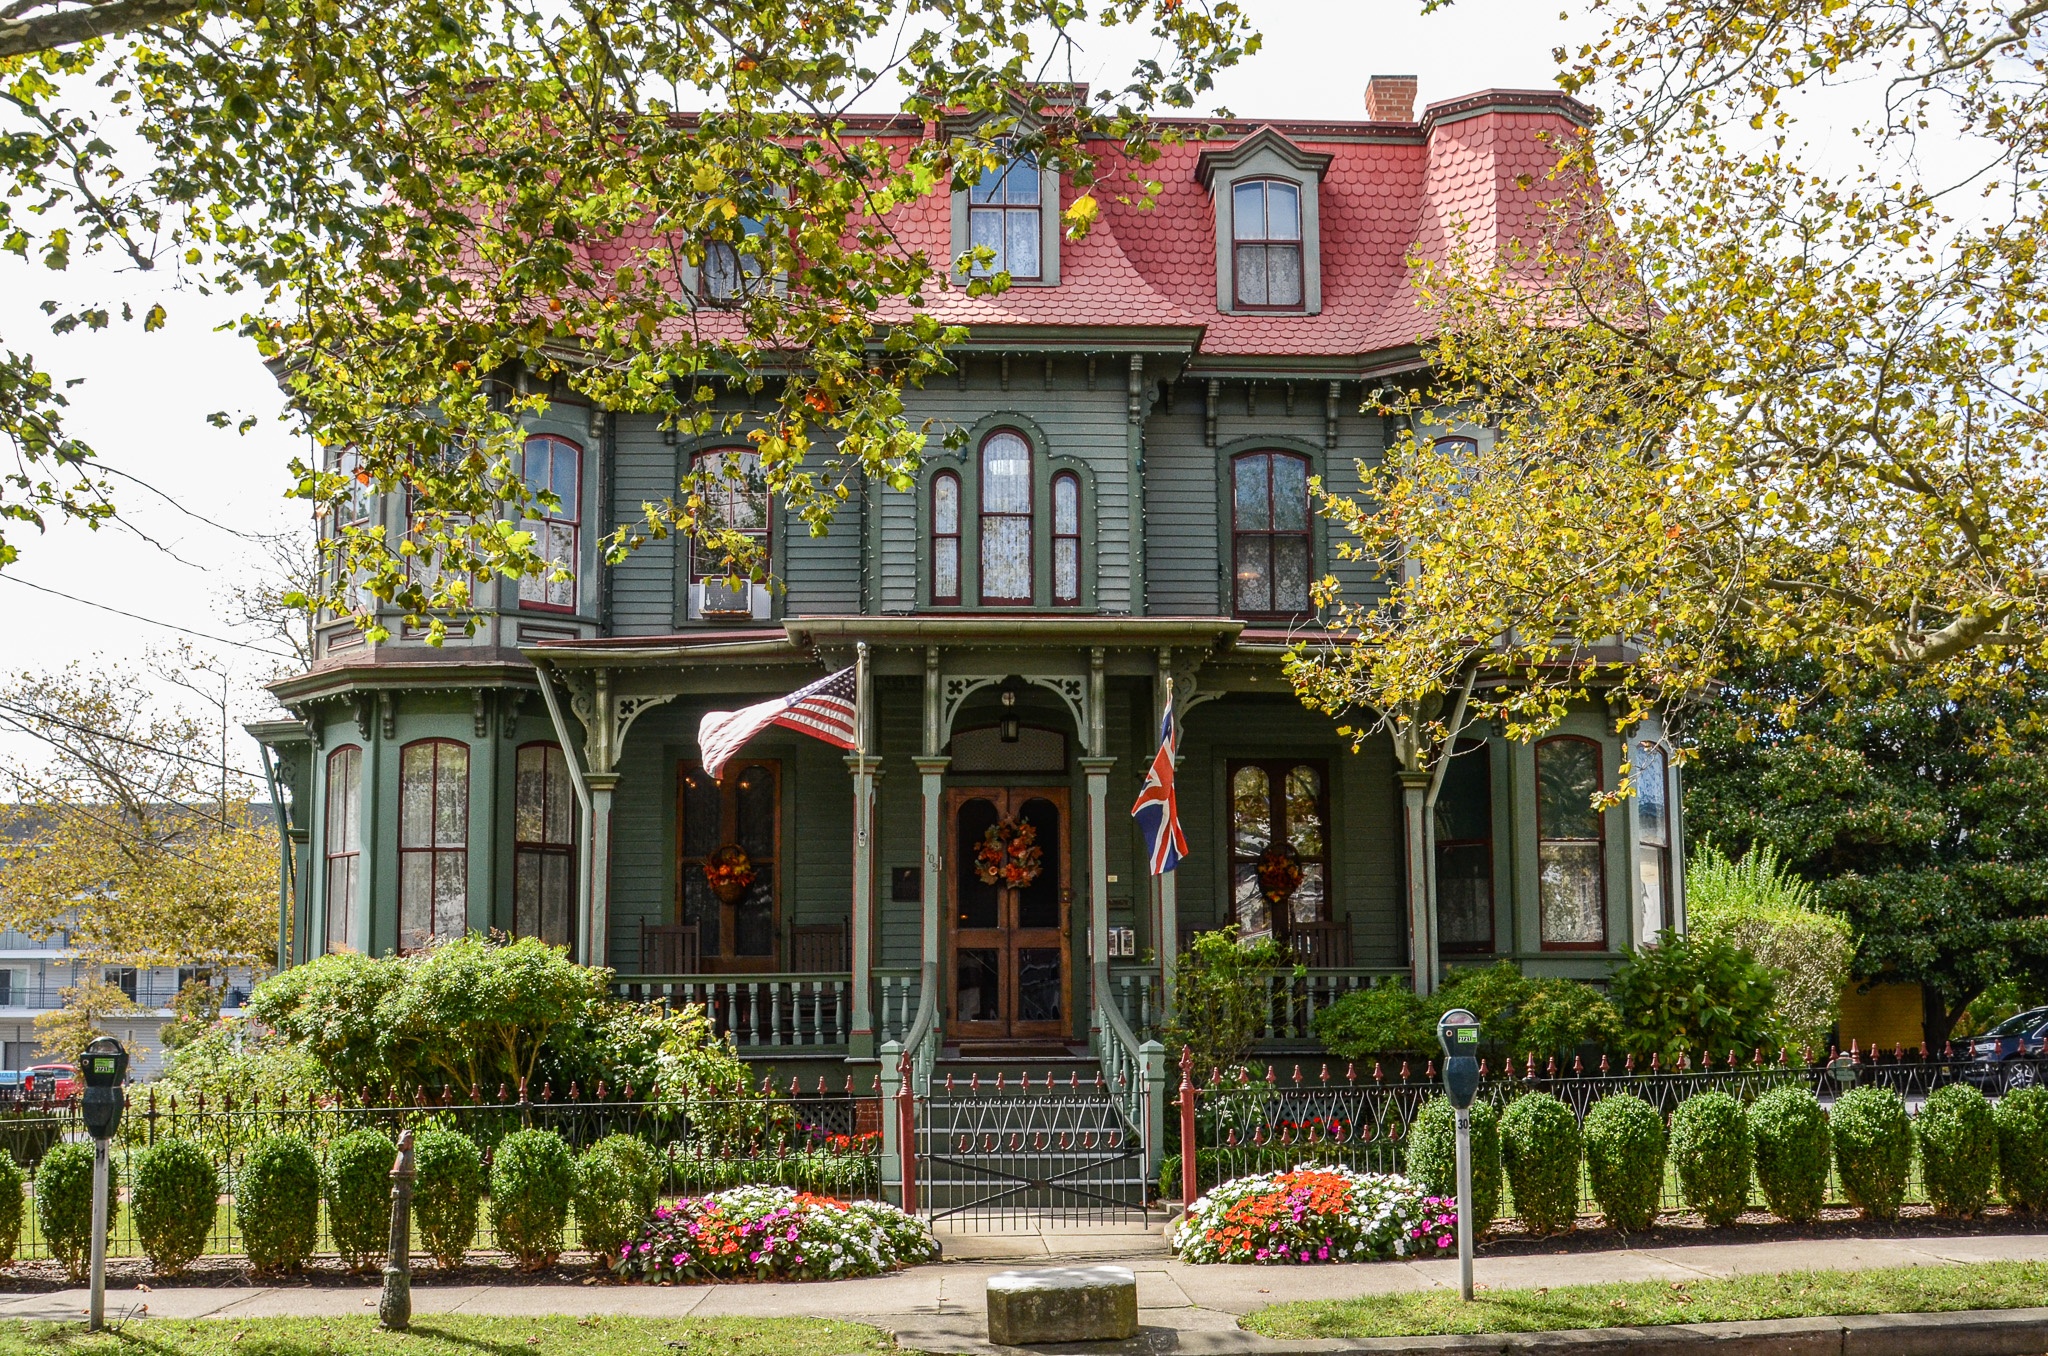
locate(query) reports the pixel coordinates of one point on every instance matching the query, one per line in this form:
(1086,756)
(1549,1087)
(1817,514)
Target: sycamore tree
(132,836)
(1723,395)
(442,215)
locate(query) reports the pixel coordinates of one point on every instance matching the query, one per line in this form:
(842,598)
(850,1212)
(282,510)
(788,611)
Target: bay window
(344,844)
(553,466)
(543,845)
(1464,852)
(1653,836)
(433,842)
(1571,845)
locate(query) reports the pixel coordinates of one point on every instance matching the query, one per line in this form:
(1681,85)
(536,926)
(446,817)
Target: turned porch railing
(759,1011)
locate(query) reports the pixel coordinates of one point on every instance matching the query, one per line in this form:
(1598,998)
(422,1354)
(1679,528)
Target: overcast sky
(145,398)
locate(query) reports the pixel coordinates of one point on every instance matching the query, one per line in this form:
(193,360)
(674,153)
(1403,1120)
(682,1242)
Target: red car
(58,1082)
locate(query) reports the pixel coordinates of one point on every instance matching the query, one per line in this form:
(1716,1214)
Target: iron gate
(1027,1154)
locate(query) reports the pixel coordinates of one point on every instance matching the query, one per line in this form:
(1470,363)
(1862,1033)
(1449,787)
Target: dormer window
(1005,215)
(1266,238)
(728,269)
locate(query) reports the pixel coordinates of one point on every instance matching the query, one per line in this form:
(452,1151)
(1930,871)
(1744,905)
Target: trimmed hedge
(12,1206)
(1539,1149)
(359,1196)
(1433,1156)
(616,1179)
(64,1203)
(1958,1137)
(1873,1149)
(175,1199)
(445,1193)
(533,1179)
(277,1203)
(1792,1152)
(2022,1119)
(1624,1138)
(1711,1148)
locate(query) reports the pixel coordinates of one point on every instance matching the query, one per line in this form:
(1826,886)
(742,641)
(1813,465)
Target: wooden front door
(1010,972)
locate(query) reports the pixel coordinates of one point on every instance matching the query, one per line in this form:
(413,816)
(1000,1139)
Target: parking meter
(1458,1032)
(104,1066)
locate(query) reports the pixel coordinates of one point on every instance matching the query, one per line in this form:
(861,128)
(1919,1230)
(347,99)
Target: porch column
(862,959)
(597,935)
(1097,770)
(1421,920)
(931,772)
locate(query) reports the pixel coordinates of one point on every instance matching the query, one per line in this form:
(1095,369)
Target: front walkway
(1190,1309)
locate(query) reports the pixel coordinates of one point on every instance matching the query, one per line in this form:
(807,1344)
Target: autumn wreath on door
(730,873)
(1279,872)
(1009,854)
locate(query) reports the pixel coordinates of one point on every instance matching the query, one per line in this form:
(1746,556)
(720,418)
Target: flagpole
(1169,892)
(861,934)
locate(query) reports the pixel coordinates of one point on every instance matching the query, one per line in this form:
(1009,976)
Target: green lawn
(450,1335)
(1811,1294)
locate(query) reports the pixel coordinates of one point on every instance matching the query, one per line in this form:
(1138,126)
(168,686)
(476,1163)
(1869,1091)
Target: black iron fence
(822,1138)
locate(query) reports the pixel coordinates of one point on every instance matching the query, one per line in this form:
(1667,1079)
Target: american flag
(1158,810)
(825,709)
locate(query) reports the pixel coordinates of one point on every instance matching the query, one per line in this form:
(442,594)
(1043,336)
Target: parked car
(1997,1059)
(58,1082)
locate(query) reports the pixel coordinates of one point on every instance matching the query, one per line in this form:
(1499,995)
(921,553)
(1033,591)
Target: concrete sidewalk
(1189,1309)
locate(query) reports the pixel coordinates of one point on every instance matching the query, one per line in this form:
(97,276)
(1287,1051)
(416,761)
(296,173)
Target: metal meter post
(105,1067)
(1458,1031)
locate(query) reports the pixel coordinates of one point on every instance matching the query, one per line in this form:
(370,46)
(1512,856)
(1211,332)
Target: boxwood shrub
(1873,1149)
(1958,1135)
(277,1203)
(12,1203)
(445,1193)
(1792,1152)
(64,1203)
(1710,1146)
(175,1198)
(1539,1148)
(533,1178)
(359,1196)
(1433,1156)
(615,1185)
(1625,1160)
(2022,1118)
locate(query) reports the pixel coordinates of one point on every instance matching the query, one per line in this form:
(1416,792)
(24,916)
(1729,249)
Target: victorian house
(1143,409)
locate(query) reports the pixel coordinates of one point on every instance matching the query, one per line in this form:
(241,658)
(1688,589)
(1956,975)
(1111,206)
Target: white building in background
(34,974)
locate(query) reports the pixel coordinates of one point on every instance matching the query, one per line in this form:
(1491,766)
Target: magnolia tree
(1726,401)
(446,214)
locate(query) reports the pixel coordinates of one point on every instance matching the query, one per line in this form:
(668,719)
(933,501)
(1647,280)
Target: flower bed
(1316,1214)
(773,1233)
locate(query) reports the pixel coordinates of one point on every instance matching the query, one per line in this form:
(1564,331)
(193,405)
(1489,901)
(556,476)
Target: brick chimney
(1390,98)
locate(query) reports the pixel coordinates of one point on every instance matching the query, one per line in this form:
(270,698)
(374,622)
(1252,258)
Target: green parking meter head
(104,1067)
(1458,1032)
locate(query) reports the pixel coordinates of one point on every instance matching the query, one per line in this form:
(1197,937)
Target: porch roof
(798,638)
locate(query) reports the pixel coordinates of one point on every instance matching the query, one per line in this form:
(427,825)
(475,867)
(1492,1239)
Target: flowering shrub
(1316,1214)
(773,1232)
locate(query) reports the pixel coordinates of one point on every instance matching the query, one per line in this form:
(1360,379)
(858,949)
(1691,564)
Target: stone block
(1062,1304)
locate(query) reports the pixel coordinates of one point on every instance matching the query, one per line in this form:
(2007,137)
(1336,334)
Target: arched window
(1653,835)
(1005,518)
(1066,539)
(433,842)
(1265,227)
(543,845)
(553,466)
(1270,534)
(1571,857)
(735,499)
(1464,852)
(1003,210)
(1280,857)
(945,538)
(344,844)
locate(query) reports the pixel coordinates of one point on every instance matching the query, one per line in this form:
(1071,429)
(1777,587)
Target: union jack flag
(1158,810)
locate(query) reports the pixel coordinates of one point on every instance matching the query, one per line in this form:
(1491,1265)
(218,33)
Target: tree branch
(43,32)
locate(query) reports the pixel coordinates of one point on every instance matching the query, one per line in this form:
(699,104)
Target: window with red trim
(1270,534)
(1571,845)
(543,845)
(1265,228)
(433,842)
(1005,518)
(945,538)
(344,844)
(553,466)
(1066,539)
